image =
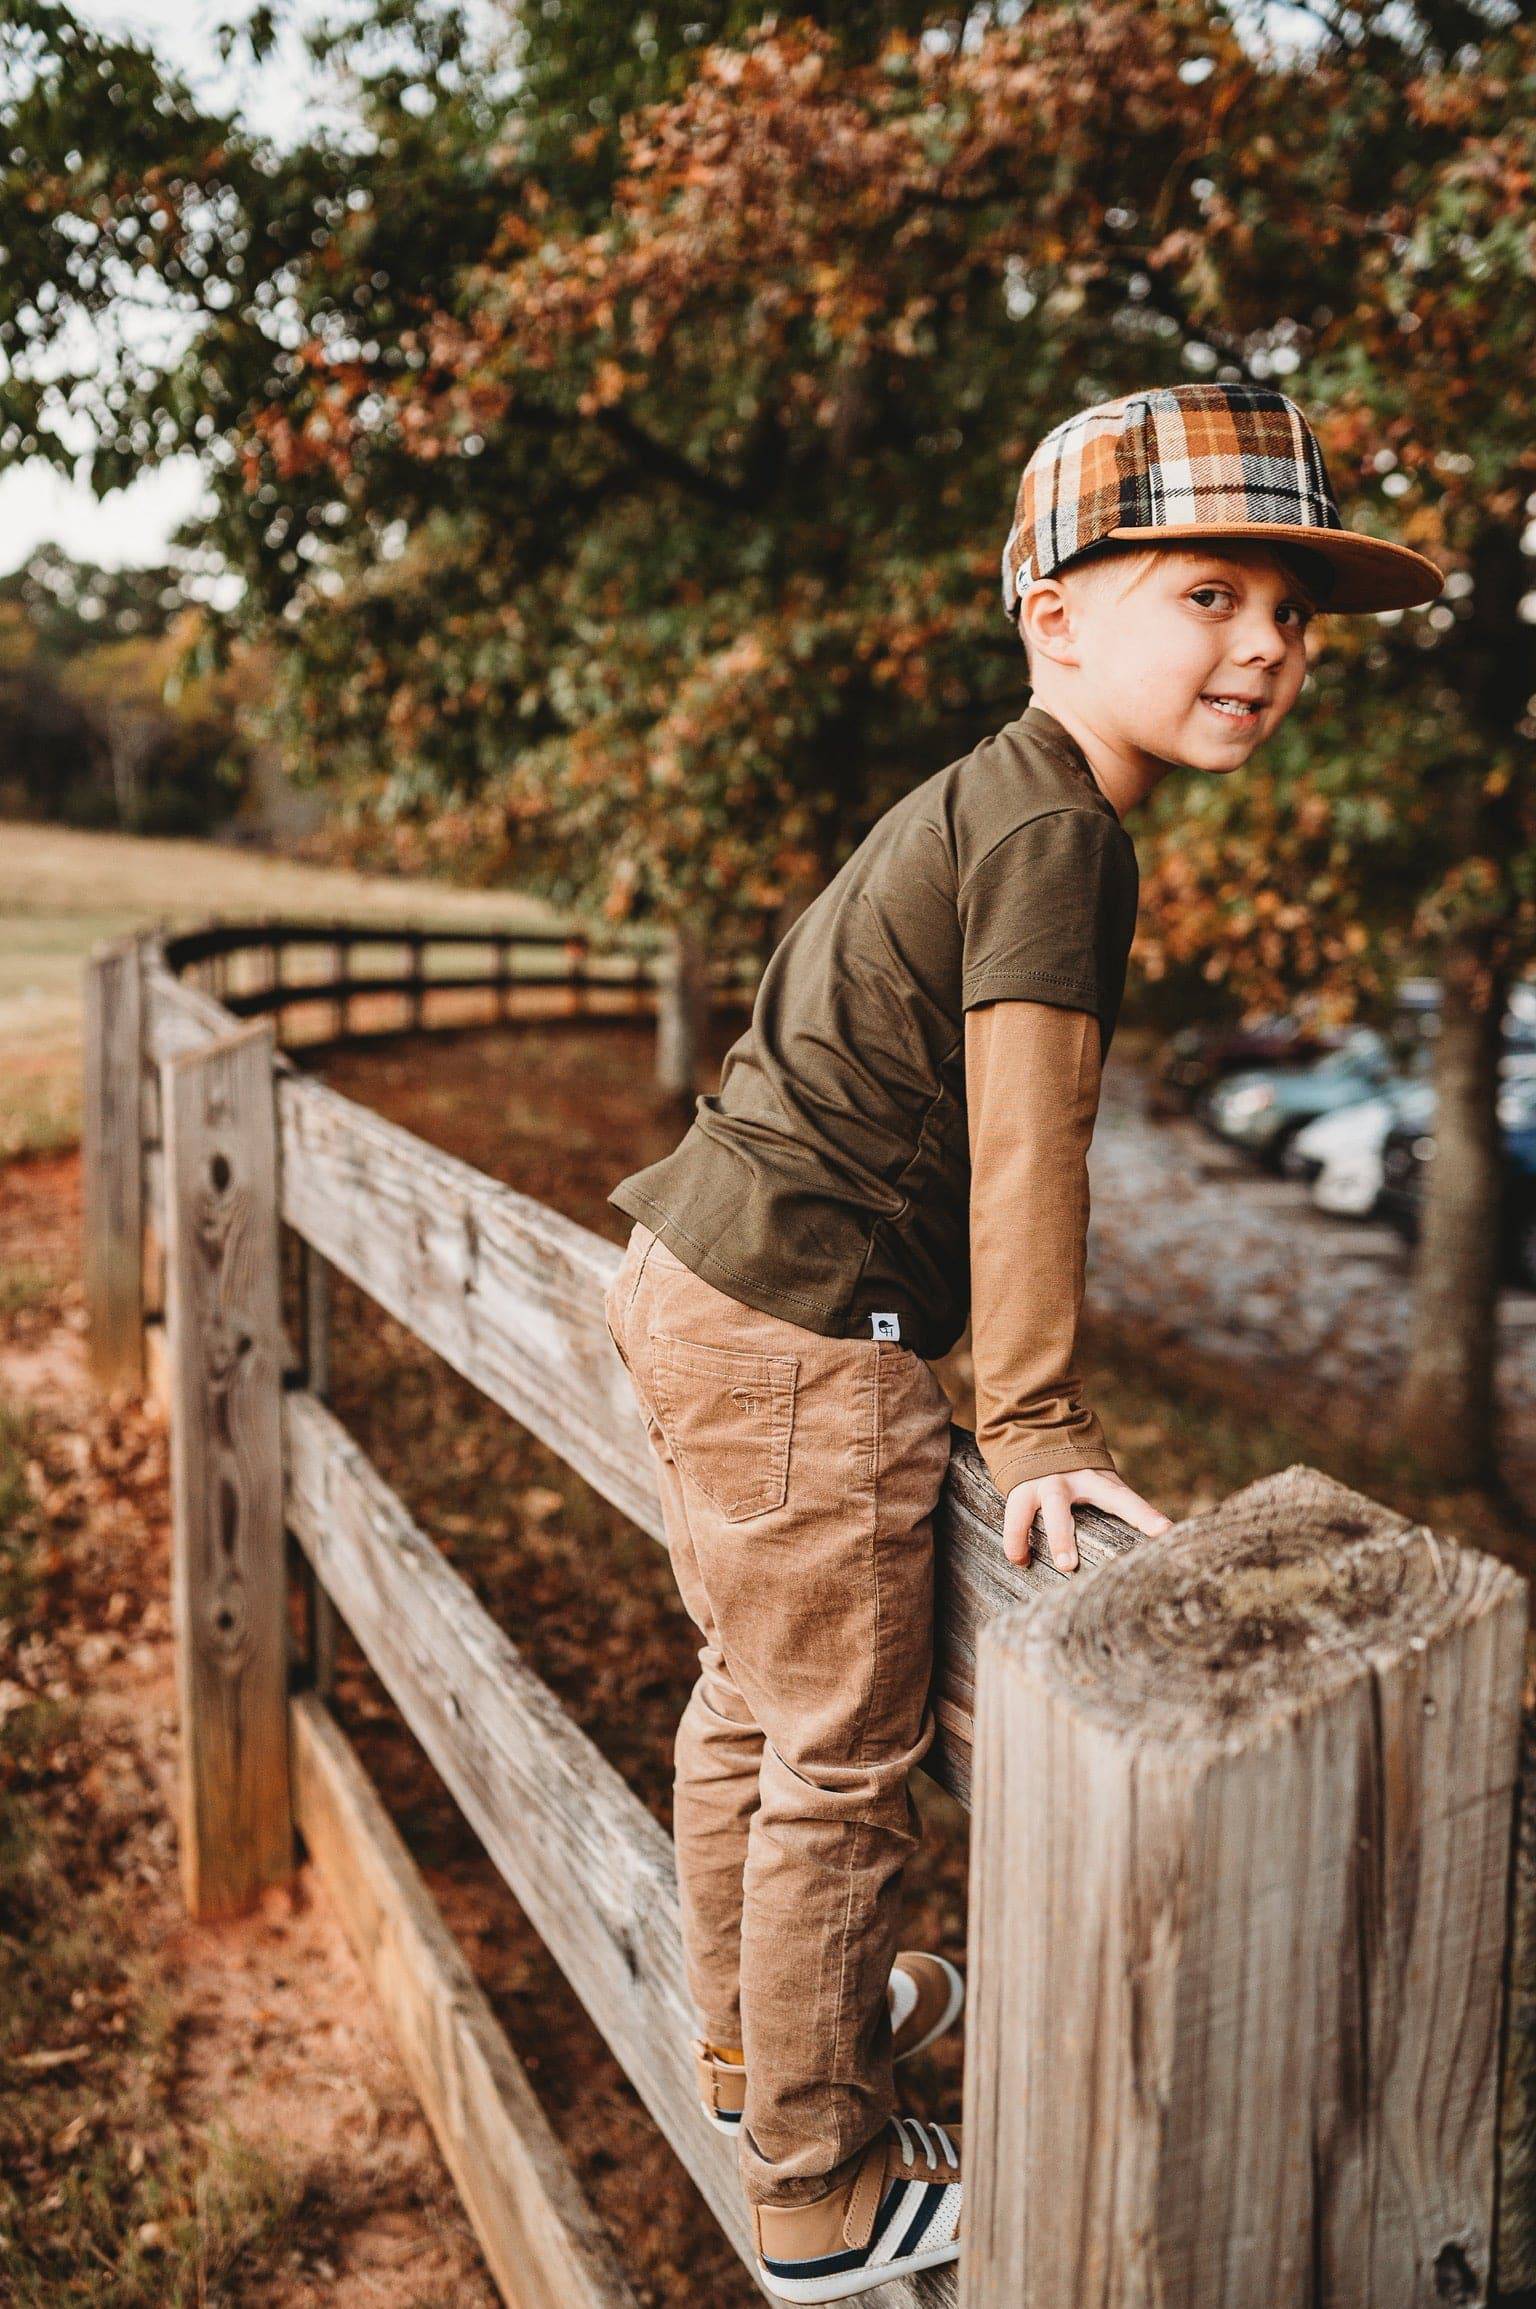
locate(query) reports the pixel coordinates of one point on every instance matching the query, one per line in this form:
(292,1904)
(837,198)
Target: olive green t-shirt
(828,1180)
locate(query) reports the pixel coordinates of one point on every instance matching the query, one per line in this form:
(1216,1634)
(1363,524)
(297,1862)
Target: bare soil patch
(188,2114)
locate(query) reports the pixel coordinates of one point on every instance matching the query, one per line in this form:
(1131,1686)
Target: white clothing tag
(885,1326)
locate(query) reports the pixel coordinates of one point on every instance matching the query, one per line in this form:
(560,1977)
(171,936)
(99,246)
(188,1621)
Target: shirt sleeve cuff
(1027,1458)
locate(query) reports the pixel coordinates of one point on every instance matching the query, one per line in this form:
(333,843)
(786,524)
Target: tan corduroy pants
(798,1479)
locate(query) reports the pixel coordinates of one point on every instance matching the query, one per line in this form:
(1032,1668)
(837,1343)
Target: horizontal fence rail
(1241,1950)
(246,967)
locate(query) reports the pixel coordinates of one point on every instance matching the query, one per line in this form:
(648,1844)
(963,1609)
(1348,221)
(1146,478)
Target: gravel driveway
(1191,1238)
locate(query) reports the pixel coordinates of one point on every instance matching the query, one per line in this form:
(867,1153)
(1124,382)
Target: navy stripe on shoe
(925,2212)
(895,2190)
(829,2265)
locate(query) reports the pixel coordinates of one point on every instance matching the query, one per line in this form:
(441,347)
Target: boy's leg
(719,1746)
(822,1606)
(716,1761)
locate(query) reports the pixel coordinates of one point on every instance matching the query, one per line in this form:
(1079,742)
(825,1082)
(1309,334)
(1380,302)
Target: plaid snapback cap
(1191,461)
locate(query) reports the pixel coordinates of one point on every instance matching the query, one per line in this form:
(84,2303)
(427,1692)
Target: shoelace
(930,2152)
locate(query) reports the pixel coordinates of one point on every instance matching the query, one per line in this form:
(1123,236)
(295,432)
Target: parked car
(1340,1154)
(1195,1058)
(1409,1149)
(1520,1191)
(1263,1108)
(1416,1015)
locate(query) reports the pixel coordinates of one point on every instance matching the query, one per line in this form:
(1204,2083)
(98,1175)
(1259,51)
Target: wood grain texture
(1515,2241)
(507,1291)
(178,1018)
(589,1865)
(111,1148)
(974,1581)
(225,1361)
(1238,1918)
(544,2244)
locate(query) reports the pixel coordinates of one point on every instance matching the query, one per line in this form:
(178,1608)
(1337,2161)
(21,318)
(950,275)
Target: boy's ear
(1046,625)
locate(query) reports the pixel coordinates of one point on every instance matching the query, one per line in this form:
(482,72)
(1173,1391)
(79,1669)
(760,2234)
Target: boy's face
(1197,625)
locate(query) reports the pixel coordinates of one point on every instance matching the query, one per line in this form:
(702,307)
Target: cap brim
(1372,575)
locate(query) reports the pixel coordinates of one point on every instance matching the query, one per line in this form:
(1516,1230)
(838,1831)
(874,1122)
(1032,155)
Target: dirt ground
(188,2115)
(249,2134)
(199,2116)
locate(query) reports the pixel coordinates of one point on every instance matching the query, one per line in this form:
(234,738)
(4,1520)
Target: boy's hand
(1053,1495)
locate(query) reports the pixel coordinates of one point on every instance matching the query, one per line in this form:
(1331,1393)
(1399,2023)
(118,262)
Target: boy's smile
(1187,656)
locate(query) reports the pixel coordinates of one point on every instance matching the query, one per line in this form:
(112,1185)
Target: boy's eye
(1297,611)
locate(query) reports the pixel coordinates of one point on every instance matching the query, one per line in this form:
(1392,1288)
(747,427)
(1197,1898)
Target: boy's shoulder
(1028,769)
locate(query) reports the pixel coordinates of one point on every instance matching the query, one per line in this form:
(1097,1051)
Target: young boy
(900,1138)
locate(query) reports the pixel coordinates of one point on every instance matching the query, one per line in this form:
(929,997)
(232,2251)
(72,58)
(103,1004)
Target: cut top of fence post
(1263,1610)
(1240,1860)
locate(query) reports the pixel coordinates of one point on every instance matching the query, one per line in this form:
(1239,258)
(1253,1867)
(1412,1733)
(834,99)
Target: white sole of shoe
(730,2126)
(856,2280)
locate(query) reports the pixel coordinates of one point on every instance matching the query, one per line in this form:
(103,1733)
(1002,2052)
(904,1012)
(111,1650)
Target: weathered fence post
(225,1356)
(1240,1864)
(682,1013)
(576,961)
(1515,2240)
(418,978)
(113,1158)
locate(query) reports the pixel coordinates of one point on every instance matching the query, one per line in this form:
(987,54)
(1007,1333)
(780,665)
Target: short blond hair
(1101,568)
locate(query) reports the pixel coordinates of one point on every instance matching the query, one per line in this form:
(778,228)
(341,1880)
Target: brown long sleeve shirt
(828,1179)
(1032,1094)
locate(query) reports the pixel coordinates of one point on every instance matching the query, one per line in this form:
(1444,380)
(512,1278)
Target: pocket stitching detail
(764,1377)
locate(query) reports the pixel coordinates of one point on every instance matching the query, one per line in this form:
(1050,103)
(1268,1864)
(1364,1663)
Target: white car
(1340,1153)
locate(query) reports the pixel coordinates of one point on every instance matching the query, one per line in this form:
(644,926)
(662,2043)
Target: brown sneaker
(900,2213)
(925,1993)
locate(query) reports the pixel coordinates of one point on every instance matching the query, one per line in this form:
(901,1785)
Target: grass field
(62,892)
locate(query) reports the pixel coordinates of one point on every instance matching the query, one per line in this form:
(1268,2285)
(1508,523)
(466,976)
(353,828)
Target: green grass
(63,892)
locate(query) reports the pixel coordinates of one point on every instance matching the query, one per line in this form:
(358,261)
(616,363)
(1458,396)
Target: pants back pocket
(727,1414)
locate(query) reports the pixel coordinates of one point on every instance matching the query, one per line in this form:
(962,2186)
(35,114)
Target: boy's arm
(1032,1090)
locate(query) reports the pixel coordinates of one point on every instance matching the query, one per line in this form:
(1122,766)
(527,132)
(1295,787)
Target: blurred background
(548,463)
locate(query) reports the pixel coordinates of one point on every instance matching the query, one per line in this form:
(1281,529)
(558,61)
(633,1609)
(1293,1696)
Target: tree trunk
(682,1017)
(1447,1411)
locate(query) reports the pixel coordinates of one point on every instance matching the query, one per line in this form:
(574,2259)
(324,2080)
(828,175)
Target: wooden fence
(1251,2018)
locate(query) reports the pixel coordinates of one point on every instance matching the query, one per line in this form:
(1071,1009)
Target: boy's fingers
(1116,1496)
(1018,1516)
(1060,1530)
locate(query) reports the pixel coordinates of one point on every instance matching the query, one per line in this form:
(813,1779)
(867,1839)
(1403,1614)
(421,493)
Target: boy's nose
(1261,638)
